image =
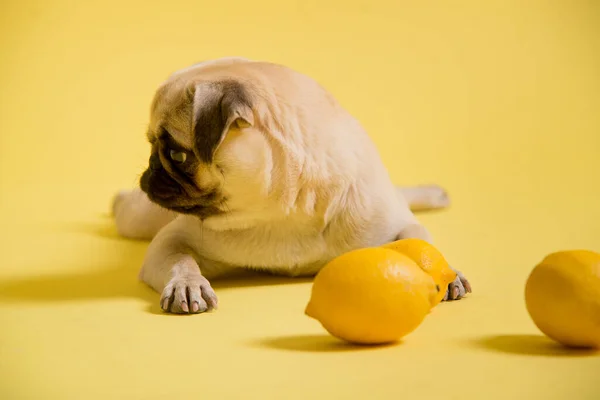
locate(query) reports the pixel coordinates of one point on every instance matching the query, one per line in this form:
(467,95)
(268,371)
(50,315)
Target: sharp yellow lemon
(371,296)
(430,259)
(562,295)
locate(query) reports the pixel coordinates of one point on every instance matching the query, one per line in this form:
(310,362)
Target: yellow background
(498,101)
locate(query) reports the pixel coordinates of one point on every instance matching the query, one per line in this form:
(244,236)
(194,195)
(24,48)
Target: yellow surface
(496,100)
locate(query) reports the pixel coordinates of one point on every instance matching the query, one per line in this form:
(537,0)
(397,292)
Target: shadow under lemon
(119,279)
(317,343)
(528,345)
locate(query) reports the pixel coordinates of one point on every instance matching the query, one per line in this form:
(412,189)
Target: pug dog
(256,166)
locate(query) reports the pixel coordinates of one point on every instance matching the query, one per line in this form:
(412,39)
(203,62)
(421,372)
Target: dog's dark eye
(178,156)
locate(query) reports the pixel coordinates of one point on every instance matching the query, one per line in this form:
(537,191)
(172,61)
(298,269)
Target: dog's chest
(271,247)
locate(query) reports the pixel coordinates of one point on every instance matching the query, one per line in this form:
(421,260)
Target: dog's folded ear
(217,106)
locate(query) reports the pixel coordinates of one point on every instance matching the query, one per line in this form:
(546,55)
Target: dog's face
(207,158)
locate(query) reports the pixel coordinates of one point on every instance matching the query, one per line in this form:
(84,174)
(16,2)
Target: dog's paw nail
(184,307)
(455,293)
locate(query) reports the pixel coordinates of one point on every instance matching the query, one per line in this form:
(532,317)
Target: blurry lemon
(371,296)
(562,295)
(429,259)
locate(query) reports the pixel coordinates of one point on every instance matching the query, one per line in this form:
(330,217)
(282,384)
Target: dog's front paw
(458,288)
(188,295)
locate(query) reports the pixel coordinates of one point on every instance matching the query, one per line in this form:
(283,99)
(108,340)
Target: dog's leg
(415,230)
(460,286)
(136,217)
(174,268)
(424,197)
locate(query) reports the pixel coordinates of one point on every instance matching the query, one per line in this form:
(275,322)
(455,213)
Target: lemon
(371,296)
(430,259)
(562,295)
